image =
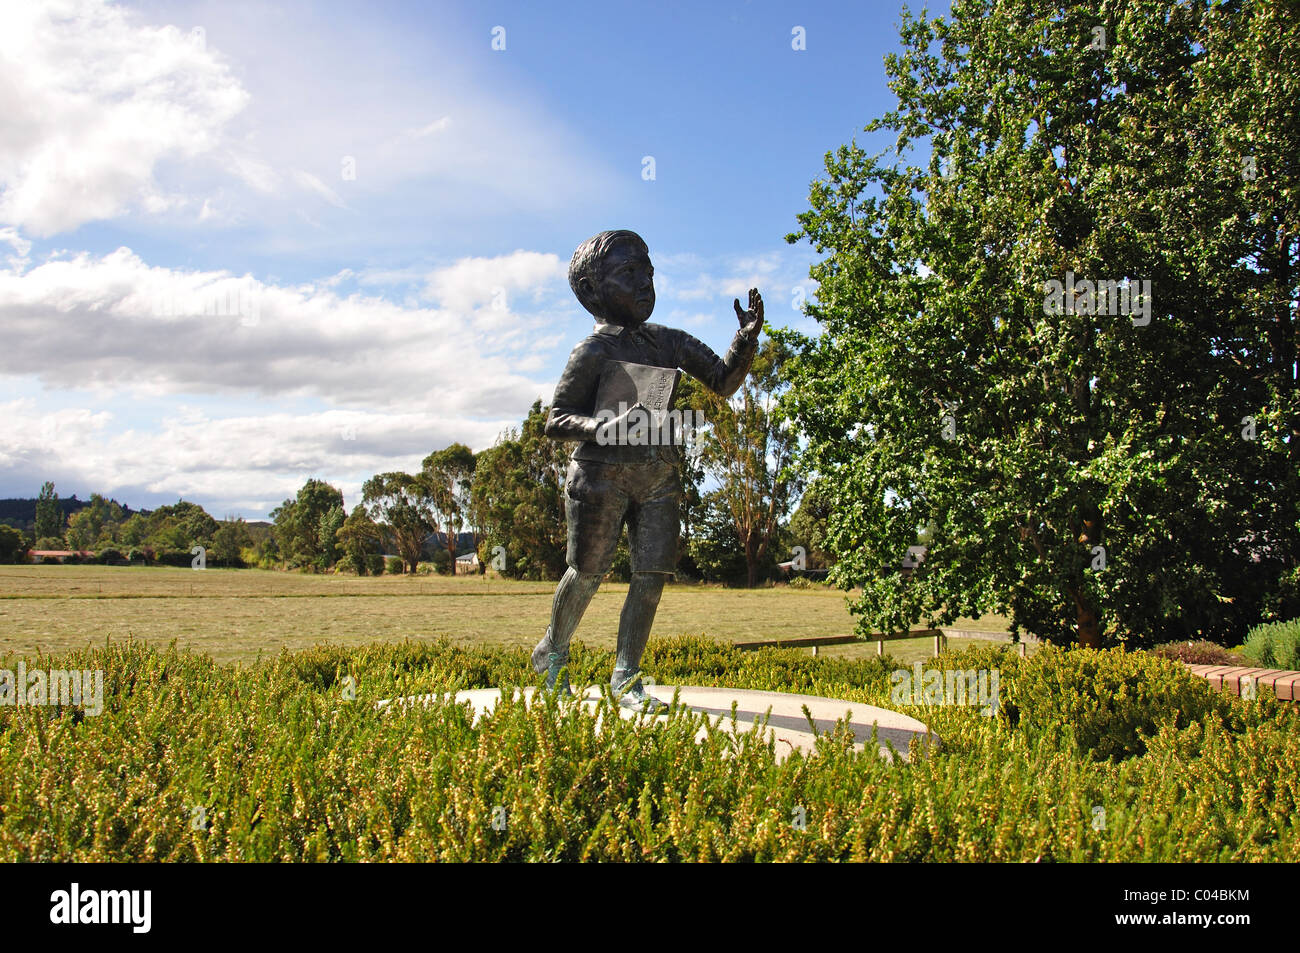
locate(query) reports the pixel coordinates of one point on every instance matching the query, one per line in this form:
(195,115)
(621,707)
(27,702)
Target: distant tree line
(112,533)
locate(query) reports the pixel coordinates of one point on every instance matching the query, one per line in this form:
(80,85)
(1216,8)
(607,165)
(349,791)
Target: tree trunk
(1087,624)
(1089,627)
(411,553)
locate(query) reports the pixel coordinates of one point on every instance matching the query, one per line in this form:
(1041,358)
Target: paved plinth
(786,722)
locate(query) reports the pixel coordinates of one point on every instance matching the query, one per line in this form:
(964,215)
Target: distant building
(914,557)
(435,541)
(787,568)
(59,554)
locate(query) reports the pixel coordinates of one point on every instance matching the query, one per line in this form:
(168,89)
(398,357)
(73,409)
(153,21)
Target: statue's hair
(588,261)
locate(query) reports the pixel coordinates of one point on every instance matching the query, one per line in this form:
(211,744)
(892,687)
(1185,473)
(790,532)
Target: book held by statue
(623,384)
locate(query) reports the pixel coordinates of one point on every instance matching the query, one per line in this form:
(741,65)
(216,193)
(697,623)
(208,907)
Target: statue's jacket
(574,405)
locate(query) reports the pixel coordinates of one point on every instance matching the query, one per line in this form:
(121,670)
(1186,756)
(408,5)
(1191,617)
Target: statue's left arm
(725,376)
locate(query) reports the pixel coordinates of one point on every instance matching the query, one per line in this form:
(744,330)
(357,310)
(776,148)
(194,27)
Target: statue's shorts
(601,497)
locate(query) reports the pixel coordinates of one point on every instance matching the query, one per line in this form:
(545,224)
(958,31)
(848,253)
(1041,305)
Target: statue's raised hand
(751,321)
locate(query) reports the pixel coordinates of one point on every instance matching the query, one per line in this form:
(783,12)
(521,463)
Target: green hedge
(1274,645)
(1106,702)
(284,767)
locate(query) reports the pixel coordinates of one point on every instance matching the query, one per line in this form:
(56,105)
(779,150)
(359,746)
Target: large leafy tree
(517,500)
(135,530)
(12,544)
(330,522)
(305,525)
(808,525)
(180,526)
(693,507)
(715,547)
(1095,474)
(449,473)
(359,537)
(96,524)
(230,540)
(403,505)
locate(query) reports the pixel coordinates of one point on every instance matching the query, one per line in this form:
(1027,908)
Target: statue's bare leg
(633,632)
(572,596)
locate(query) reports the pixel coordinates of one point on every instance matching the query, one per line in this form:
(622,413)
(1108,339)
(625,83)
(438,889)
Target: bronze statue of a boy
(613,481)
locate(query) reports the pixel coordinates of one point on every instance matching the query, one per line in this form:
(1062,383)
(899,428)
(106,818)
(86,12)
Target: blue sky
(242,244)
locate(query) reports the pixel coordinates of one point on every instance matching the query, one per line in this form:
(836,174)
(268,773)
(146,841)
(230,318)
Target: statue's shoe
(541,652)
(630,693)
(554,664)
(557,673)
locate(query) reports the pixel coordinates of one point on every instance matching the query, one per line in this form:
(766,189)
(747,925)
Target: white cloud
(739,274)
(253,171)
(419,132)
(313,184)
(239,126)
(20,245)
(117,324)
(473,283)
(31,431)
(240,464)
(93,102)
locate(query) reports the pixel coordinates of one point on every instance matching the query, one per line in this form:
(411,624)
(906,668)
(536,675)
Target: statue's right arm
(575,397)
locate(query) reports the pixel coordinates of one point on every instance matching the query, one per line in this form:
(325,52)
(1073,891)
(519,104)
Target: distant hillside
(21,513)
(465,542)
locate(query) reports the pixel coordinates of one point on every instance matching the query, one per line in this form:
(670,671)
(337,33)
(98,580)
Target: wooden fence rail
(940,636)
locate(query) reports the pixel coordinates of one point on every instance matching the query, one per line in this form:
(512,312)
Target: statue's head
(612,276)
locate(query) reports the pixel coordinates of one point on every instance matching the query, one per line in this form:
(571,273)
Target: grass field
(237,615)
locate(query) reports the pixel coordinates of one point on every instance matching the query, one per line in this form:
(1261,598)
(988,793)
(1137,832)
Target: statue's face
(627,288)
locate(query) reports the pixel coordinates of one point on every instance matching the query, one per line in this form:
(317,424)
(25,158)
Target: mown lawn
(237,615)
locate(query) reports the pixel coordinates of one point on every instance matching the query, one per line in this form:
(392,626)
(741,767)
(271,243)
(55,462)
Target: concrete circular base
(786,721)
